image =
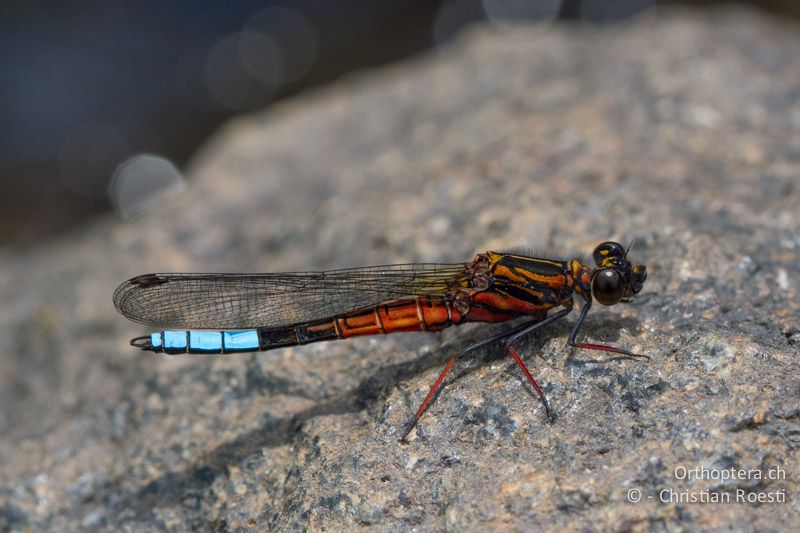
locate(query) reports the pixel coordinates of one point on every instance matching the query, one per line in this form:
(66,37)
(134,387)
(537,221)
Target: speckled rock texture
(680,133)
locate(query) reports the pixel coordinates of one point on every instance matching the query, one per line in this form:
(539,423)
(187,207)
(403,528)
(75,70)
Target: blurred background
(103,103)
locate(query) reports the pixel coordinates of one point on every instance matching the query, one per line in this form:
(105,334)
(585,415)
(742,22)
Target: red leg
(509,336)
(605,348)
(532,381)
(428,398)
(590,346)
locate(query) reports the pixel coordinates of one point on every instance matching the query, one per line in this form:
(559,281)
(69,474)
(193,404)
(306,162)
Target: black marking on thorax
(521,266)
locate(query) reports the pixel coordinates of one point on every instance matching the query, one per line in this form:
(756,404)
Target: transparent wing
(243,301)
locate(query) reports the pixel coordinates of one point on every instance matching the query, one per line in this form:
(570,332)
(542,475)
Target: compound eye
(607,286)
(607,250)
(641,271)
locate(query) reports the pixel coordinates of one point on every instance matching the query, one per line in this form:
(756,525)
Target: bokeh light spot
(143,182)
(226,79)
(293,33)
(262,58)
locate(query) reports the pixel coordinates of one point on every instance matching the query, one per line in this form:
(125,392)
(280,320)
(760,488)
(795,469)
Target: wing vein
(243,301)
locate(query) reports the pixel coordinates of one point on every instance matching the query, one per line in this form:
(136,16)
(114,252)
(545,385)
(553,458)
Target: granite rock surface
(679,133)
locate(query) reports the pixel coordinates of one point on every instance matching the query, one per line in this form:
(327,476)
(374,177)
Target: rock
(678,134)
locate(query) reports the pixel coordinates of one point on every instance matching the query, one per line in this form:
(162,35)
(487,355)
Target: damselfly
(253,312)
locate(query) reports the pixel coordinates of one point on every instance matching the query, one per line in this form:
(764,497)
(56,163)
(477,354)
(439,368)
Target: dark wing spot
(148,280)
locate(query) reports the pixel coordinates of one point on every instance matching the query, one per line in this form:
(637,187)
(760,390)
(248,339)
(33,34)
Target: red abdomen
(413,314)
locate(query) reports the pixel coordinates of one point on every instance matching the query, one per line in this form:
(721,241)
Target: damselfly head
(615,279)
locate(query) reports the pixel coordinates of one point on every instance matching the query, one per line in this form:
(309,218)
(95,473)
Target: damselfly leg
(509,336)
(591,346)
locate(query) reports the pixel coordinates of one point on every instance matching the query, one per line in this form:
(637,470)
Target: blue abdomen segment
(199,342)
(240,341)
